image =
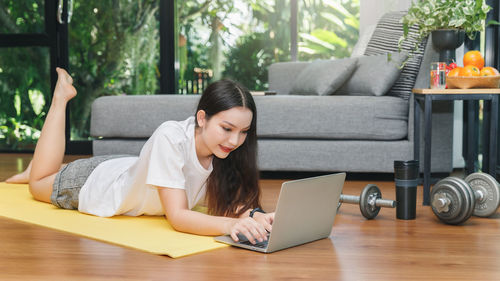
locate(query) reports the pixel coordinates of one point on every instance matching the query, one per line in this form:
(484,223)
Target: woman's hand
(265,219)
(248,227)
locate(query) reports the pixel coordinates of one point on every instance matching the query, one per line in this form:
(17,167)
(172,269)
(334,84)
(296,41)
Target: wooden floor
(380,249)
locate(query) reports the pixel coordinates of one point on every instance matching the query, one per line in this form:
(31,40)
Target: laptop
(305,212)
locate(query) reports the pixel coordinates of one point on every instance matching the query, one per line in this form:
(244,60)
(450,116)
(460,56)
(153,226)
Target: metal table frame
(490,123)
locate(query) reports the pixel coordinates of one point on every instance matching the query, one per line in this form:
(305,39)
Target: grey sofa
(296,133)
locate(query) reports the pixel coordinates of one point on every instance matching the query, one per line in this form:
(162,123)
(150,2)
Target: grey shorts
(70,179)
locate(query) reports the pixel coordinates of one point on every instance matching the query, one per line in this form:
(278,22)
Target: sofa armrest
(430,55)
(281,73)
(423,79)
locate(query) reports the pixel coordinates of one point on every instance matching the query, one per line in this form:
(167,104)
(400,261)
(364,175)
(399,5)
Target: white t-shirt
(126,185)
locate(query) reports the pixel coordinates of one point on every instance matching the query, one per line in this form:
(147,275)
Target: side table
(490,120)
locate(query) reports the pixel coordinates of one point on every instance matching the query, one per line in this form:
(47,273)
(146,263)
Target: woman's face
(225,131)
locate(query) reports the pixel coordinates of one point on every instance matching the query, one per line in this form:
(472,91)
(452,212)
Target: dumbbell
(370,201)
(455,200)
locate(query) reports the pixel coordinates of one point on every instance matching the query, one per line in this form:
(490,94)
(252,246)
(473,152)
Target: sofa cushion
(385,39)
(323,77)
(332,117)
(374,75)
(280,73)
(286,117)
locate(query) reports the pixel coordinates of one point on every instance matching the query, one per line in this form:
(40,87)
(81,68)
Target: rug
(151,234)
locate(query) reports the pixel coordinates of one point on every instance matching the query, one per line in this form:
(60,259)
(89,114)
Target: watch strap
(252,212)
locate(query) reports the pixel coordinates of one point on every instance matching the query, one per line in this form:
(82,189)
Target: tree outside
(240,39)
(24,77)
(114,50)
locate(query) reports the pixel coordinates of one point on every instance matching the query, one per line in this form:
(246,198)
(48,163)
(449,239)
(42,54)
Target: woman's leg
(49,151)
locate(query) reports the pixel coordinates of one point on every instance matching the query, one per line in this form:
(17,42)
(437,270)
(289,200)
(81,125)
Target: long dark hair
(233,185)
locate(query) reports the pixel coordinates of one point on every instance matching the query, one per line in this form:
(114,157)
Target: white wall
(372,10)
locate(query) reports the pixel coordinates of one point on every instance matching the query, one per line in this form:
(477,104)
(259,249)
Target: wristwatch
(252,212)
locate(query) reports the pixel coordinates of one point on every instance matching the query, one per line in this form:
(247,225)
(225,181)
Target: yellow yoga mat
(147,233)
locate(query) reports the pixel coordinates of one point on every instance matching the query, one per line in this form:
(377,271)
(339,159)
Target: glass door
(28,56)
(113,50)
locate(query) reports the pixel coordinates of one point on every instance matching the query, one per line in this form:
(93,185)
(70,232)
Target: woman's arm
(174,203)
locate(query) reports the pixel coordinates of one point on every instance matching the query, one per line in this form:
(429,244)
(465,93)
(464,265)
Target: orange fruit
(489,71)
(454,72)
(469,70)
(474,58)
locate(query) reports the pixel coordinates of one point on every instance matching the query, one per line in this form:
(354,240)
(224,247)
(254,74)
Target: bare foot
(64,87)
(23,177)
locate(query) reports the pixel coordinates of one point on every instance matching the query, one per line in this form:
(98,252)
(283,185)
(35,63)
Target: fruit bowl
(468,82)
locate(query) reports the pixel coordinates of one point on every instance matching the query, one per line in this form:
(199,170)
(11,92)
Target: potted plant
(447,20)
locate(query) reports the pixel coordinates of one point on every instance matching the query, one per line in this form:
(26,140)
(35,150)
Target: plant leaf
(334,19)
(492,22)
(37,100)
(17,103)
(338,7)
(329,37)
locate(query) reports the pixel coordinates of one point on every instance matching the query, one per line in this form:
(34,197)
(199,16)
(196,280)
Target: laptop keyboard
(243,240)
(262,244)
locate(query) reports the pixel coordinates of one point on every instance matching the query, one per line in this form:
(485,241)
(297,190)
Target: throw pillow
(385,39)
(375,75)
(323,77)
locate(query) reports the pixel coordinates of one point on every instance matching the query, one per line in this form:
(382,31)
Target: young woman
(209,156)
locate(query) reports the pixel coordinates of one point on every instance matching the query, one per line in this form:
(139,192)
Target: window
(24,73)
(232,39)
(240,39)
